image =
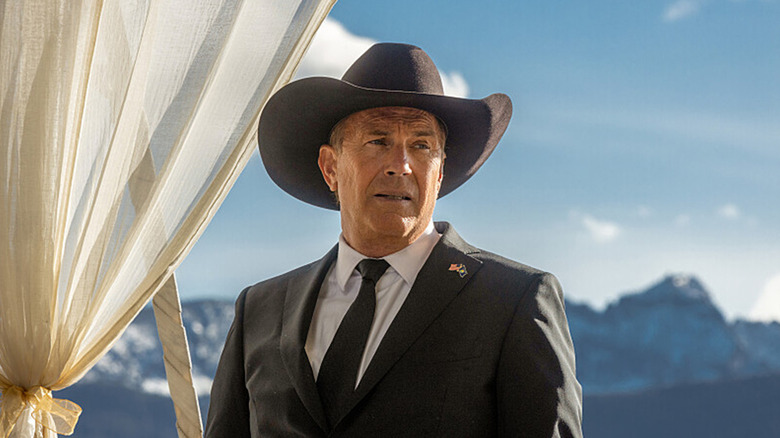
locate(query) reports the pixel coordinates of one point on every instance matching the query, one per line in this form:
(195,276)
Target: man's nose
(397,161)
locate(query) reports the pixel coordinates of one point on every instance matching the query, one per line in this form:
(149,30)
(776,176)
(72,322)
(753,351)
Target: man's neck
(381,246)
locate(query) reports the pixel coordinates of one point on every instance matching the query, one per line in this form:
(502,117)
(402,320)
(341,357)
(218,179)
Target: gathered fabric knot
(58,415)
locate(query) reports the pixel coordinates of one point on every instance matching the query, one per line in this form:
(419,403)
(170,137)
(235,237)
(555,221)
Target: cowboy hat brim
(298,119)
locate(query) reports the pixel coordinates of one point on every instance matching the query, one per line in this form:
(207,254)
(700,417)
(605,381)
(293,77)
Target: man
(436,338)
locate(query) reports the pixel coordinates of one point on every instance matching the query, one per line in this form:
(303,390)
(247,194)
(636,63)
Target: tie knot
(372,269)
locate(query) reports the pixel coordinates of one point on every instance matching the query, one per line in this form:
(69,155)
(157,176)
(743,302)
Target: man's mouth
(393,197)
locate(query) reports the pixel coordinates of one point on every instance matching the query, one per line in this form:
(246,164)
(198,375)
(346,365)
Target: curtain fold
(176,357)
(123,124)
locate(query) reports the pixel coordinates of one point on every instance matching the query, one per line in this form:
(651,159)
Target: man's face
(387,172)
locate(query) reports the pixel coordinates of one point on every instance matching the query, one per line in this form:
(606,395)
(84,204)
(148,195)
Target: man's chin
(399,226)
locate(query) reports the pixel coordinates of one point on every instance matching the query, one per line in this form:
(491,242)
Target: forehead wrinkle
(378,131)
(424,133)
(386,125)
(384,120)
(409,116)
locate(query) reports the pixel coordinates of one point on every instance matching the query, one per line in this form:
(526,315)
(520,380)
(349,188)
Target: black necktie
(339,369)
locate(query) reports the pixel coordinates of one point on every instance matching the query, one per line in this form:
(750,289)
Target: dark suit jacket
(487,354)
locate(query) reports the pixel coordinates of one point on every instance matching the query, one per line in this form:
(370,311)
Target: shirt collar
(406,262)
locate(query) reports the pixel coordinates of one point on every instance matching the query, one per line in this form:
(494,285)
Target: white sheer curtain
(123,124)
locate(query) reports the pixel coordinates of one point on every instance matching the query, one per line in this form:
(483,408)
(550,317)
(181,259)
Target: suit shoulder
(281,279)
(495,262)
(274,287)
(490,262)
(513,276)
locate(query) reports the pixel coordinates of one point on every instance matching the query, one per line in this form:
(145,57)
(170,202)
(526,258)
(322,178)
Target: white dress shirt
(341,286)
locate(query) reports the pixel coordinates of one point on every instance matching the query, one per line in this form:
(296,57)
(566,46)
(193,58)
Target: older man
(402,329)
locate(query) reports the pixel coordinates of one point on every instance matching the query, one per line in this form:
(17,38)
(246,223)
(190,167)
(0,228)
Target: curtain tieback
(52,413)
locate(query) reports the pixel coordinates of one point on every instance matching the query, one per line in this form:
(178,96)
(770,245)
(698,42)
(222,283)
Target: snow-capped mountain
(136,361)
(762,340)
(668,334)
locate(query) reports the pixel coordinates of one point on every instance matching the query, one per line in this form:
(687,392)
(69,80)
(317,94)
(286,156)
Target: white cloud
(681,9)
(682,220)
(159,386)
(601,231)
(767,307)
(644,211)
(730,212)
(334,48)
(202,384)
(757,135)
(454,84)
(155,386)
(332,51)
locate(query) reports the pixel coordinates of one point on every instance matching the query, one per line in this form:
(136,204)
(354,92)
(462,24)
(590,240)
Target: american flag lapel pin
(460,268)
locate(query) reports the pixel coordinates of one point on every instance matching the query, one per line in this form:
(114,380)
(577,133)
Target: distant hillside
(669,334)
(111,410)
(727,409)
(135,361)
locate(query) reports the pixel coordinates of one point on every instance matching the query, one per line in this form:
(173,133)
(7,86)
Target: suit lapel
(435,287)
(299,304)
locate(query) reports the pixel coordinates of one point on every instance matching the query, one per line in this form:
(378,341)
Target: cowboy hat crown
(298,119)
(400,67)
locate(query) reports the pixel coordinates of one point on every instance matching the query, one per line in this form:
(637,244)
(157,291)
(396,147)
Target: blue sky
(645,141)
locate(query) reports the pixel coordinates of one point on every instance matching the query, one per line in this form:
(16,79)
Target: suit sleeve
(228,415)
(537,389)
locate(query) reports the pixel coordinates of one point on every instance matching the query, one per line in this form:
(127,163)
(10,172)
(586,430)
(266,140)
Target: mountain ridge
(670,333)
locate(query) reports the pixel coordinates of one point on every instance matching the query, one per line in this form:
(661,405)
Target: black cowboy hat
(298,119)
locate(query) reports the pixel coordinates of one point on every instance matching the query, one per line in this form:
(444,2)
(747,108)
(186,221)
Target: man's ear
(328,164)
(441,168)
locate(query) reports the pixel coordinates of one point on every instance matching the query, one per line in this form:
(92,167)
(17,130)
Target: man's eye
(378,141)
(422,146)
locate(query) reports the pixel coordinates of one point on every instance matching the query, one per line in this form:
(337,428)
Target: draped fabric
(123,124)
(176,357)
